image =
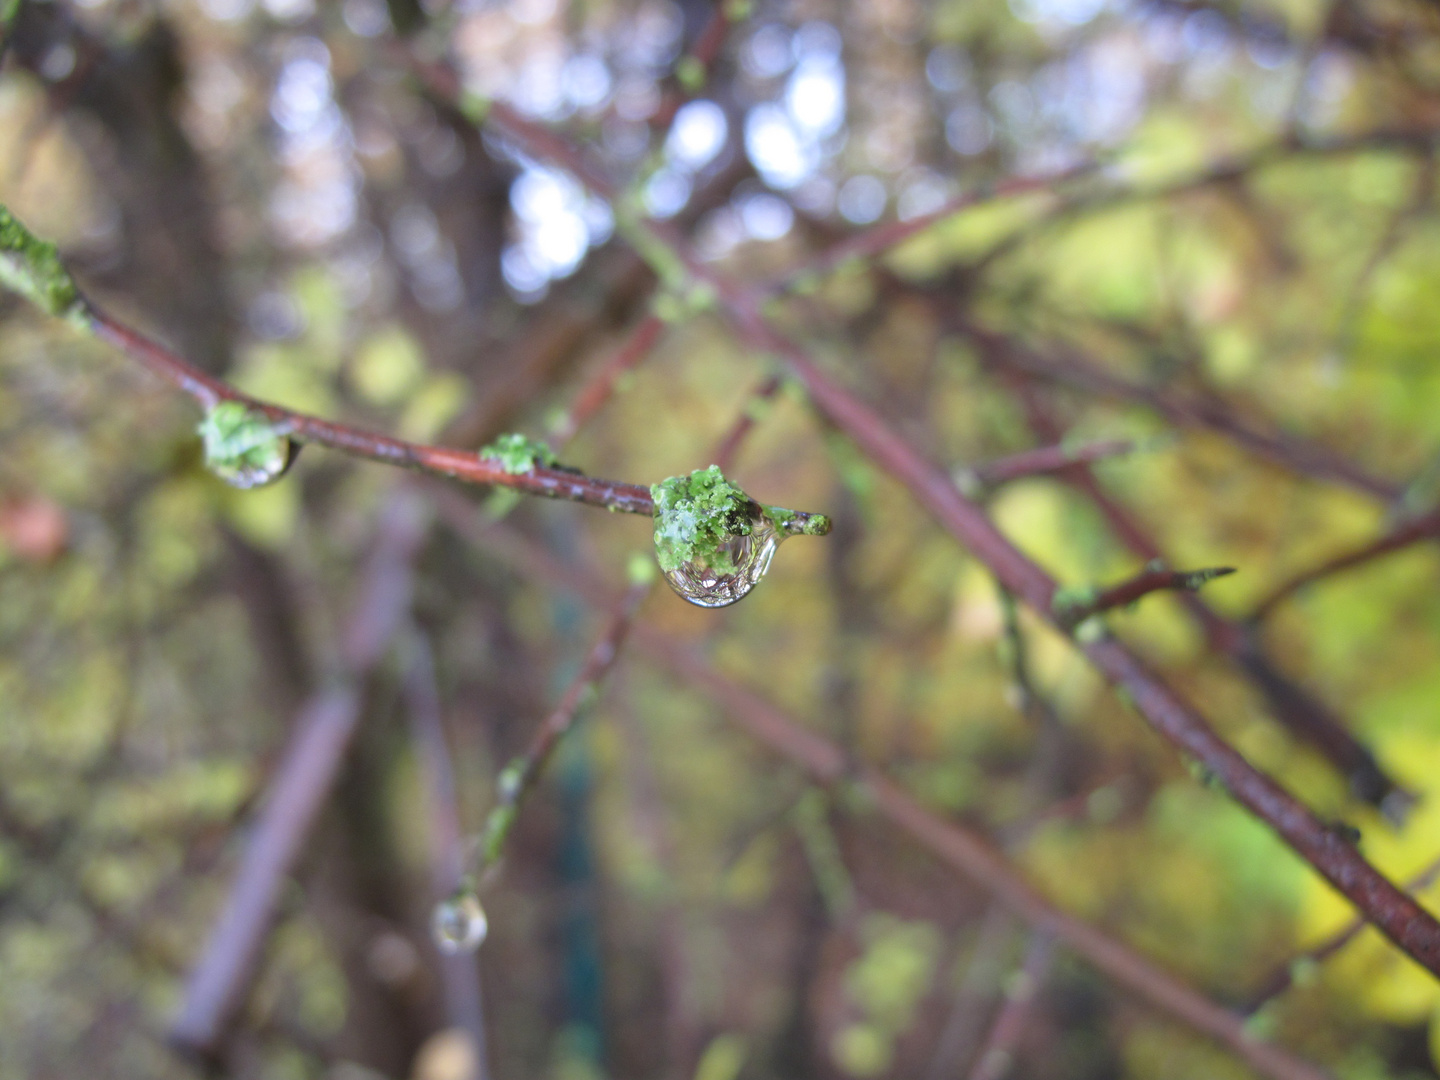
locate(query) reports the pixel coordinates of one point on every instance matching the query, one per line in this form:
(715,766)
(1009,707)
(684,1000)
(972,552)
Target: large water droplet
(740,561)
(243,447)
(459,924)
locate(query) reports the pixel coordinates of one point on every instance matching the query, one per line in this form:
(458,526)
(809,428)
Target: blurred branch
(220,980)
(459,972)
(1070,368)
(877,240)
(1073,606)
(519,776)
(974,479)
(1290,704)
(997,1052)
(1424,527)
(601,384)
(962,849)
(1302,967)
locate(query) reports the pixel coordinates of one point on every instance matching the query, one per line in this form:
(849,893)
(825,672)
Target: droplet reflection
(459,924)
(743,558)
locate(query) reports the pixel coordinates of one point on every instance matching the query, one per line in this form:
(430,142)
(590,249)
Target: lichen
(516,454)
(242,446)
(32,268)
(793,524)
(694,516)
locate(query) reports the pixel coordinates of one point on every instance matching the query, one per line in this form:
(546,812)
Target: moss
(32,268)
(242,446)
(516,454)
(694,517)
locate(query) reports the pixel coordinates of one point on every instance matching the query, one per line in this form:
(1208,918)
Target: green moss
(32,268)
(242,446)
(516,454)
(694,517)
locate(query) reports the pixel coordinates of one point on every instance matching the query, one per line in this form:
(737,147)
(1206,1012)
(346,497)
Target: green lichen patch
(695,516)
(242,446)
(32,268)
(516,454)
(793,523)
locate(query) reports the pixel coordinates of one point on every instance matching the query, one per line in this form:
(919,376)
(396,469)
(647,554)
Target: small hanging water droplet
(740,560)
(459,924)
(243,447)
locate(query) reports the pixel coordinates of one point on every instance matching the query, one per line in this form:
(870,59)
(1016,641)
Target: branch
(459,974)
(1073,369)
(32,268)
(1405,922)
(220,980)
(997,1052)
(1425,527)
(962,849)
(1074,605)
(975,479)
(1291,705)
(600,387)
(1302,967)
(519,776)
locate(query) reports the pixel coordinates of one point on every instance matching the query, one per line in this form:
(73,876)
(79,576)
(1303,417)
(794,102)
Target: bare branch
(1074,606)
(1424,527)
(221,979)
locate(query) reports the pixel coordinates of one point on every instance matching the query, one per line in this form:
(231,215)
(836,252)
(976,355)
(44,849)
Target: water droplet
(243,447)
(742,558)
(459,924)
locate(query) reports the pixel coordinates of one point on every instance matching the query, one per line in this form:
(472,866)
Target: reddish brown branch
(963,850)
(1073,608)
(1290,704)
(1425,527)
(463,465)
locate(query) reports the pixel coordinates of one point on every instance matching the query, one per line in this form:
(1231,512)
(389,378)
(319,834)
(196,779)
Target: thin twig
(519,776)
(997,1052)
(1424,527)
(601,385)
(1037,462)
(1069,367)
(1074,607)
(459,973)
(1285,977)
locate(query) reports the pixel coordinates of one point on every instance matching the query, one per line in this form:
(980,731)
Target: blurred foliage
(364,253)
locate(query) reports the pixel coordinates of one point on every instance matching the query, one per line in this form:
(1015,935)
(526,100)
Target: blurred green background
(266,188)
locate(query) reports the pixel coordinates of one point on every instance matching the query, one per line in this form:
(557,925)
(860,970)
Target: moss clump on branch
(32,267)
(516,454)
(694,517)
(243,447)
